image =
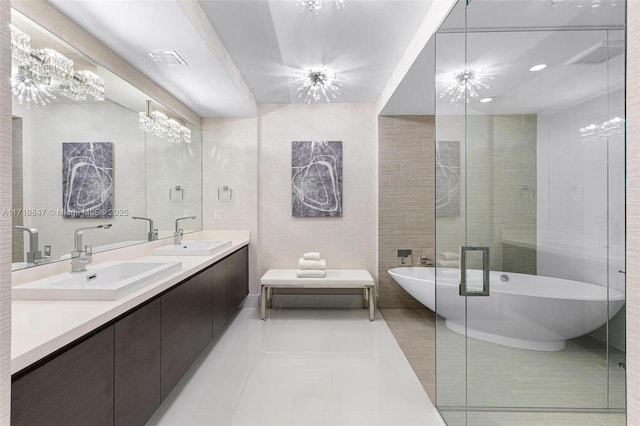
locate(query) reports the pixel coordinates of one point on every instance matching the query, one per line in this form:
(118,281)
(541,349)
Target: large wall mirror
(79,161)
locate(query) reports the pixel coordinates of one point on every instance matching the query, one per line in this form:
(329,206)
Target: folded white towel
(448,263)
(447,255)
(310,273)
(312,255)
(312,264)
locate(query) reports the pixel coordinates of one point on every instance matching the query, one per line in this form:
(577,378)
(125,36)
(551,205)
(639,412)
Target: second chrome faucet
(177,235)
(152,235)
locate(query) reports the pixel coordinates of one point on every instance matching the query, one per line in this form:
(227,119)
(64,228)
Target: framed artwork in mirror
(447,178)
(87,179)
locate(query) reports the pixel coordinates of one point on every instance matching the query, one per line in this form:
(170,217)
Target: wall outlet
(217,215)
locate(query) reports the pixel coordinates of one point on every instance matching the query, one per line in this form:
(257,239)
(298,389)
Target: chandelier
(317,85)
(42,70)
(31,87)
(608,128)
(465,86)
(314,6)
(163,126)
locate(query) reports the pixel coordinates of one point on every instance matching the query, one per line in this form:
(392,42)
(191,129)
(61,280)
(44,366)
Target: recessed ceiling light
(166,57)
(538,67)
(486,100)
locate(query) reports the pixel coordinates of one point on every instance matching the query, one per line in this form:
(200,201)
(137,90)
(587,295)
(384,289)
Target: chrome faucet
(177,235)
(152,235)
(34,255)
(82,256)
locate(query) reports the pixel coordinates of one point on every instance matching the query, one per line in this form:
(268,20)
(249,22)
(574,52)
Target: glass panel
(542,184)
(450,218)
(616,327)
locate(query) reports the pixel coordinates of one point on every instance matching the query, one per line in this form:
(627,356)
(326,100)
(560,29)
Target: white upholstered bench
(335,278)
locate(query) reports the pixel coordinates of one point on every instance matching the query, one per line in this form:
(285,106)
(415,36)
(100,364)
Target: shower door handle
(463,271)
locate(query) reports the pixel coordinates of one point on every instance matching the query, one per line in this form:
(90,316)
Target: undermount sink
(192,248)
(106,281)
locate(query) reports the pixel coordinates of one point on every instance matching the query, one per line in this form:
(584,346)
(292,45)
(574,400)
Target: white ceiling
(131,28)
(272,41)
(508,54)
(269,41)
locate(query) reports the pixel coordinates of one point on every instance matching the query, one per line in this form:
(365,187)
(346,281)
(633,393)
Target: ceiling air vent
(166,57)
(598,54)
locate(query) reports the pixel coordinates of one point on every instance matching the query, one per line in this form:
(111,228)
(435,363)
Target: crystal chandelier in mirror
(609,128)
(317,85)
(315,6)
(162,126)
(40,71)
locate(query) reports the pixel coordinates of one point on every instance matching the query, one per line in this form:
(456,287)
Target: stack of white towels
(448,260)
(311,266)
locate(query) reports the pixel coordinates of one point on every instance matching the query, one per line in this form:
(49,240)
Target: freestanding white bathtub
(528,311)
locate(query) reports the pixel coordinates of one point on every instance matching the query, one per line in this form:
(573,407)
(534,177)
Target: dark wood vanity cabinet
(136,373)
(175,357)
(201,309)
(73,388)
(237,280)
(219,297)
(120,375)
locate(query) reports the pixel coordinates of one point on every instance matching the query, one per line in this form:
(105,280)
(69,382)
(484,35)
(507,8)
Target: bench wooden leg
(365,298)
(372,304)
(263,303)
(269,297)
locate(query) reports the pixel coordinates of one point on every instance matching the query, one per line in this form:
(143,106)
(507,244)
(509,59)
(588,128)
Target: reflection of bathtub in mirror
(527,312)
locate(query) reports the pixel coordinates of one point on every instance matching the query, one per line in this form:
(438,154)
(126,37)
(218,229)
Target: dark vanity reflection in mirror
(81,156)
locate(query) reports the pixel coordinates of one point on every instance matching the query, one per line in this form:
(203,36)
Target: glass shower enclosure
(530,212)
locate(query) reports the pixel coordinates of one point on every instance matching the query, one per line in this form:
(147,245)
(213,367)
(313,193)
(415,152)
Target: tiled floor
(333,367)
(415,331)
(301,367)
(499,376)
(475,418)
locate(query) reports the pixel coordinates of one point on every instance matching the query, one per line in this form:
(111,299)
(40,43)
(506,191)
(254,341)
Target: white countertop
(40,327)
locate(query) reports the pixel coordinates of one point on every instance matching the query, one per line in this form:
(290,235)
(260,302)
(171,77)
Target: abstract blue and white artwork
(447,178)
(316,178)
(87,179)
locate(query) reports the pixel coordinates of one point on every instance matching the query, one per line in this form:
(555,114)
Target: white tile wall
(5,221)
(405,199)
(346,242)
(230,157)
